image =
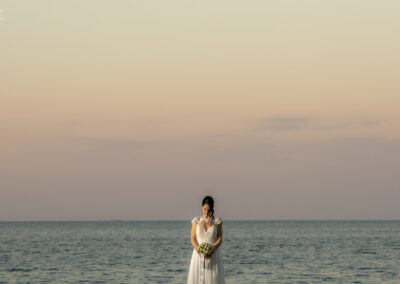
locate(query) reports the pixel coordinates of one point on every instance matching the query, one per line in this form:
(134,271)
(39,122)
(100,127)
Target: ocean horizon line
(186,220)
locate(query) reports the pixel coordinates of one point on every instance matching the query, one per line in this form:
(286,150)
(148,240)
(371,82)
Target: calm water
(159,252)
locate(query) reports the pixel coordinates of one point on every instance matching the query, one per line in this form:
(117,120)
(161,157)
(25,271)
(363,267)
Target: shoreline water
(272,251)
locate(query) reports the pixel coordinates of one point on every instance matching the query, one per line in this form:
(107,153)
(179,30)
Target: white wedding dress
(214,269)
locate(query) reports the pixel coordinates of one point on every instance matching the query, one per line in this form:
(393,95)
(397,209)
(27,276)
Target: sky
(135,110)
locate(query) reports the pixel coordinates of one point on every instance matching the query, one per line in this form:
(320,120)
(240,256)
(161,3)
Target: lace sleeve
(195,220)
(217,221)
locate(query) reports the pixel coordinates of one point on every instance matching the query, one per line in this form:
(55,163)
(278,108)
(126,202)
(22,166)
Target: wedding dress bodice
(204,235)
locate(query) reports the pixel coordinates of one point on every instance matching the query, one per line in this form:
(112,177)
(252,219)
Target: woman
(206,229)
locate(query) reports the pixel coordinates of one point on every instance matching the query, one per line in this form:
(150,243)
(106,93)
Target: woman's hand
(208,256)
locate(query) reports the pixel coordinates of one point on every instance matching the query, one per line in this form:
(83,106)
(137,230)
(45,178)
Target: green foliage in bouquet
(206,248)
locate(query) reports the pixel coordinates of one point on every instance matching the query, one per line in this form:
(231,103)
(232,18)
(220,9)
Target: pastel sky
(138,109)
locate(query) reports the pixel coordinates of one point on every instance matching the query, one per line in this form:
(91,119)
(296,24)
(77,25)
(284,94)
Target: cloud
(286,123)
(371,122)
(114,144)
(118,143)
(324,125)
(291,123)
(2,18)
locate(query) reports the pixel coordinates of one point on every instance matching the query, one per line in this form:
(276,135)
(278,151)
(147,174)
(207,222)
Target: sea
(160,252)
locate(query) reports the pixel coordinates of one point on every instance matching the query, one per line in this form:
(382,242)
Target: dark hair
(210,201)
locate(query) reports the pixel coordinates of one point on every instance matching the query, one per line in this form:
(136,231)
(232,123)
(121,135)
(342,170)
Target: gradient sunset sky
(138,109)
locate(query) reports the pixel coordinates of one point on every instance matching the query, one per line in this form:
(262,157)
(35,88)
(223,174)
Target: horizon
(229,220)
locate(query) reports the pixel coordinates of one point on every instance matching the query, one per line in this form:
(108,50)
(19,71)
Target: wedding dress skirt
(214,270)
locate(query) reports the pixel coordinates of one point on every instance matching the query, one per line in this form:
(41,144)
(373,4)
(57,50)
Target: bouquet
(205,248)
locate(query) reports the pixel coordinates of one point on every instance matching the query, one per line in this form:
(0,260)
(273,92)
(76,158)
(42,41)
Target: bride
(206,229)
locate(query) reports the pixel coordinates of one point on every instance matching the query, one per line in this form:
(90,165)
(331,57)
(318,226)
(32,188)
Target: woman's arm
(193,238)
(218,241)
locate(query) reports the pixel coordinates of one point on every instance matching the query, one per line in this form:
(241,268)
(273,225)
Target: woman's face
(206,210)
